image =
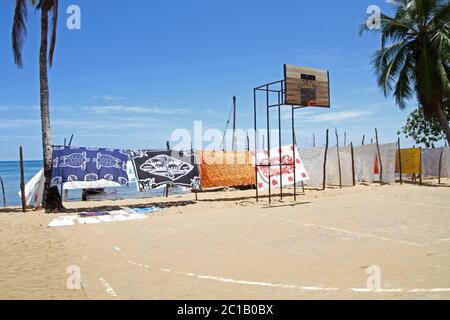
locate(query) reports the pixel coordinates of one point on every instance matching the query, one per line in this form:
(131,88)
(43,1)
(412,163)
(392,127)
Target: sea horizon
(10,174)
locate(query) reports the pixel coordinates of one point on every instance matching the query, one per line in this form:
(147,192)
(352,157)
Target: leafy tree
(414,57)
(49,11)
(422,131)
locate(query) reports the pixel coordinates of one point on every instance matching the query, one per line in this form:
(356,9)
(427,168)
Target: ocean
(10,173)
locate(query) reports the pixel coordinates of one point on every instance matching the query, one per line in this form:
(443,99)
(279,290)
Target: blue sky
(136,72)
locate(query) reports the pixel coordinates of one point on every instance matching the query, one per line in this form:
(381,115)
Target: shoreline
(225,245)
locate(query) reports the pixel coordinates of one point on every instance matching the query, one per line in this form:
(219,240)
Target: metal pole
(279,145)
(22,181)
(293,152)
(256,144)
(268,142)
(295,143)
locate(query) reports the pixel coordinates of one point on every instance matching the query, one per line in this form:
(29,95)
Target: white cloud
(18,123)
(338,116)
(138,110)
(109,97)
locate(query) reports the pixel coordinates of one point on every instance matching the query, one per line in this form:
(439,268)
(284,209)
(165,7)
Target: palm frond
(387,64)
(19,30)
(404,87)
(54,12)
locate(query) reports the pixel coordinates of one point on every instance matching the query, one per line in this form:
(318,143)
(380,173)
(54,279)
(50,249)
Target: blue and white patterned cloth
(72,164)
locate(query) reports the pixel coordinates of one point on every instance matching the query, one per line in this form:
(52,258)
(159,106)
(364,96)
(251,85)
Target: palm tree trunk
(442,117)
(51,199)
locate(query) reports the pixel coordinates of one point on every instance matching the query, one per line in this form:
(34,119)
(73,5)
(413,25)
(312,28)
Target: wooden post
(167,186)
(440,165)
(248,143)
(3,192)
(233,147)
(325,163)
(22,181)
(70,141)
(353,164)
(196,160)
(400,161)
(380,165)
(421,181)
(363,140)
(339,159)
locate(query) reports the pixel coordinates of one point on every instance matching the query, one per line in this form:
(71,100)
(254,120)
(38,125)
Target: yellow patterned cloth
(410,161)
(226,169)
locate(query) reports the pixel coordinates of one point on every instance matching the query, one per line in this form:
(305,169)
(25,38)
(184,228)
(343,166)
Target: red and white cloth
(280,174)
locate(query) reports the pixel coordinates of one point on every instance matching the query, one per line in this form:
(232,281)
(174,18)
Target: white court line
(302,288)
(109,290)
(409,203)
(360,234)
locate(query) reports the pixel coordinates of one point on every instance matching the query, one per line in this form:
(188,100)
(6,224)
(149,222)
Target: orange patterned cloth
(226,169)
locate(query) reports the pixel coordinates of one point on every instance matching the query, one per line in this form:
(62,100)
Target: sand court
(319,247)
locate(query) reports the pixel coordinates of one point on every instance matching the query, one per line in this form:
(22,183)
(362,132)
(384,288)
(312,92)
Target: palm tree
(51,200)
(414,56)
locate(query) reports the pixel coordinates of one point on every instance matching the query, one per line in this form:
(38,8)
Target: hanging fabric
(280,174)
(410,161)
(365,157)
(446,163)
(155,168)
(226,169)
(430,162)
(313,159)
(388,156)
(73,164)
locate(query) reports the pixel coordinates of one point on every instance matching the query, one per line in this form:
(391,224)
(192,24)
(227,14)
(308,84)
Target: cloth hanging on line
(333,163)
(155,168)
(313,161)
(446,163)
(280,174)
(365,157)
(388,155)
(73,164)
(34,190)
(226,169)
(411,159)
(100,184)
(430,162)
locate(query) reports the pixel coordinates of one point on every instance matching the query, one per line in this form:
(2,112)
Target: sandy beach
(228,246)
